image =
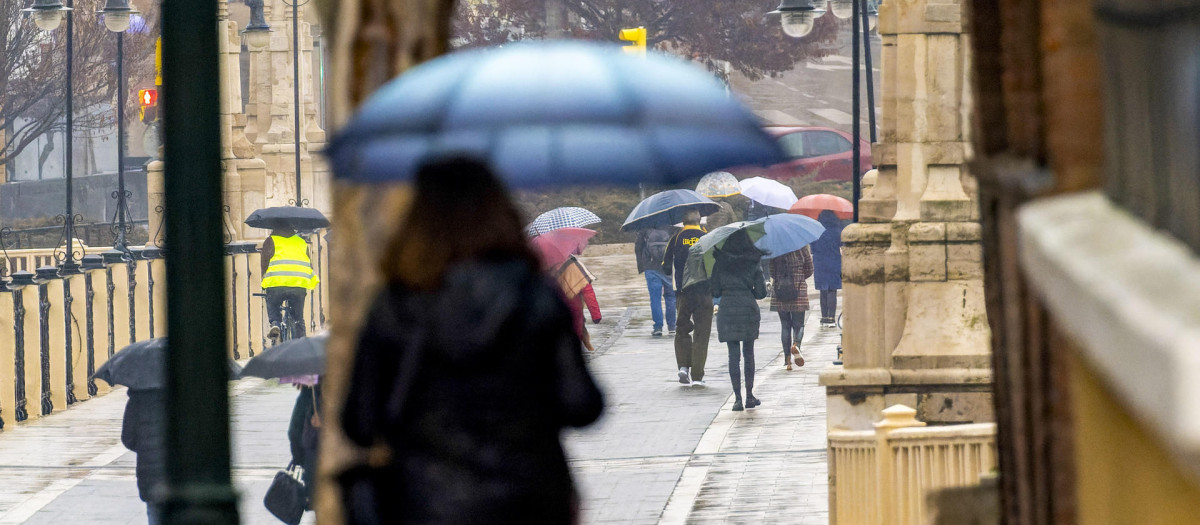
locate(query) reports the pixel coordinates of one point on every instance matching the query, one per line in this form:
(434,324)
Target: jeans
(660,288)
(791,323)
(746,349)
(294,297)
(152,514)
(695,314)
(828,304)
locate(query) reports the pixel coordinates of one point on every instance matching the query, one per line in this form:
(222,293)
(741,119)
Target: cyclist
(287,277)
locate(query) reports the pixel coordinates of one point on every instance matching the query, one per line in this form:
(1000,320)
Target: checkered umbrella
(565,217)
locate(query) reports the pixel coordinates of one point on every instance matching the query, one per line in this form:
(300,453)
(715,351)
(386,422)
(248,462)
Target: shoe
(737,405)
(657,332)
(699,382)
(795,349)
(799,360)
(716,307)
(752,402)
(671,331)
(789,365)
(684,376)
(273,333)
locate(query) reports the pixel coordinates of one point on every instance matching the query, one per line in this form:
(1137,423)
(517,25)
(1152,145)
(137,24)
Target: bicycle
(287,329)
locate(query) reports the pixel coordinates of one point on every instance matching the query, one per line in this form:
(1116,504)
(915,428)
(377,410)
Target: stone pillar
(916,331)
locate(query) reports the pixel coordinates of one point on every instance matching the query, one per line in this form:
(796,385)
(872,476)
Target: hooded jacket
(470,385)
(737,279)
(827,253)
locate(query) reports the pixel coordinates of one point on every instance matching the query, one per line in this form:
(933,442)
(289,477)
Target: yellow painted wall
(1124,476)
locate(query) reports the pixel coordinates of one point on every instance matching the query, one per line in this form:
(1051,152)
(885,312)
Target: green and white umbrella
(775,234)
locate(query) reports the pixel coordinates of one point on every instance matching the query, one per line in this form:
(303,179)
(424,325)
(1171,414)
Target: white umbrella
(768,192)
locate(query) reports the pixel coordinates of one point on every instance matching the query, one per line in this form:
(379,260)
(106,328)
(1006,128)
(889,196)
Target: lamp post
(296,89)
(797,18)
(48,15)
(117,15)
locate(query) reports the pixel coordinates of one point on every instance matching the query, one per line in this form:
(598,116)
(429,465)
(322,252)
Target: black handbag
(286,498)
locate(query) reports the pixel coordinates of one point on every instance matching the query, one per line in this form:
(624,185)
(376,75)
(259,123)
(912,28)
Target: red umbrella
(813,205)
(554,247)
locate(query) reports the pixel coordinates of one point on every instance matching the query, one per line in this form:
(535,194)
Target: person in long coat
(143,431)
(303,433)
(789,278)
(738,280)
(467,368)
(827,262)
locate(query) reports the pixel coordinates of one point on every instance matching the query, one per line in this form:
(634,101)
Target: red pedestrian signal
(148,97)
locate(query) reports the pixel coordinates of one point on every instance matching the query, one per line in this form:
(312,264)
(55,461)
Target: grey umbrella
(558,112)
(143,366)
(298,357)
(666,208)
(291,217)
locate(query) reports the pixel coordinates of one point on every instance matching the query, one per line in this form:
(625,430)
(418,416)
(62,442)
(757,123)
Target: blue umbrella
(667,208)
(786,233)
(554,113)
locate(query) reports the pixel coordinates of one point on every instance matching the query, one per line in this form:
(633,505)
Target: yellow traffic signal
(637,37)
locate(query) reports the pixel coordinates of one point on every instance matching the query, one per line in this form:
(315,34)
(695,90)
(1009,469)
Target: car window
(792,145)
(818,143)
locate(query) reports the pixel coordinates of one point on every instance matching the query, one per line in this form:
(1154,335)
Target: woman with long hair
(467,369)
(789,278)
(737,279)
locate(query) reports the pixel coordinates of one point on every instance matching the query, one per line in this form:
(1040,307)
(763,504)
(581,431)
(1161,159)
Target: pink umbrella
(813,205)
(554,247)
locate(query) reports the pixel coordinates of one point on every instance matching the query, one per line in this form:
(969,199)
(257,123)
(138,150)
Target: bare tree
(712,32)
(33,72)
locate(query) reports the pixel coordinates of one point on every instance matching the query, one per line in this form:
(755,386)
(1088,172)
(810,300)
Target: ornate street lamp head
(797,17)
(117,14)
(257,32)
(47,14)
(842,8)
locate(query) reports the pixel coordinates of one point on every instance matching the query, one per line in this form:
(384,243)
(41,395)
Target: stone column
(915,328)
(244,174)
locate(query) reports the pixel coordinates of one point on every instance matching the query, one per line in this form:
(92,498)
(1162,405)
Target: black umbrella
(291,217)
(298,357)
(143,366)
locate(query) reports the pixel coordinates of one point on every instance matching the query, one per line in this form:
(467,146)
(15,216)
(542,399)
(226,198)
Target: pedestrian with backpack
(650,249)
(695,309)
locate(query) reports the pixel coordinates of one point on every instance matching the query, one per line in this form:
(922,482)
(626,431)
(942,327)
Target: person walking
(467,368)
(650,248)
(827,260)
(287,277)
(737,279)
(789,278)
(143,431)
(304,429)
(724,216)
(694,310)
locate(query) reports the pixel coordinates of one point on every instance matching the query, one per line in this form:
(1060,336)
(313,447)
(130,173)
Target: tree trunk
(372,41)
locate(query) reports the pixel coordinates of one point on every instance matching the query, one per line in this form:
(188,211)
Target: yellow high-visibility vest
(290,265)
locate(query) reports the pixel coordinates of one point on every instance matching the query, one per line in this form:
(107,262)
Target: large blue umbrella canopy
(558,112)
(667,208)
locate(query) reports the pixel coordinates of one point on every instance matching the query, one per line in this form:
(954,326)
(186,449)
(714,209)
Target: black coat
(470,385)
(827,253)
(302,435)
(738,280)
(143,430)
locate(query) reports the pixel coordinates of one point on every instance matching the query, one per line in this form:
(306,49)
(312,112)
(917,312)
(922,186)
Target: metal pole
(199,488)
(855,110)
(68,264)
(296,90)
(122,204)
(866,39)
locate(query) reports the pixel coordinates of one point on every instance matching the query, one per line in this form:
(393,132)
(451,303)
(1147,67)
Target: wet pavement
(663,452)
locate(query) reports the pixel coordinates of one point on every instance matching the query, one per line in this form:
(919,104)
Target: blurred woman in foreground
(467,369)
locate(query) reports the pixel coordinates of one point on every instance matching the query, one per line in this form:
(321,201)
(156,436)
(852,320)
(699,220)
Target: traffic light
(148,105)
(637,38)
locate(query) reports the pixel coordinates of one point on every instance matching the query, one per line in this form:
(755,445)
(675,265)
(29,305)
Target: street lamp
(797,17)
(296,88)
(117,14)
(48,14)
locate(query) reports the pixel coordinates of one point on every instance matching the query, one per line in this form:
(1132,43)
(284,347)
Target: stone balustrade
(883,477)
(55,331)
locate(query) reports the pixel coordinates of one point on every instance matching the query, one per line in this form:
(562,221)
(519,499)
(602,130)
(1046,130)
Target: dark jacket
(827,253)
(650,247)
(470,386)
(143,431)
(737,279)
(677,252)
(303,436)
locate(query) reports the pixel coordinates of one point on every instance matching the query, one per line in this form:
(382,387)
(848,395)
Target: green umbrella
(715,240)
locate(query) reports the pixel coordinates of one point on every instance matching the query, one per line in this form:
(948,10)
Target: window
(792,145)
(819,143)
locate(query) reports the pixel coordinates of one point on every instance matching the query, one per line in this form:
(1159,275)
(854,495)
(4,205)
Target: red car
(820,153)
